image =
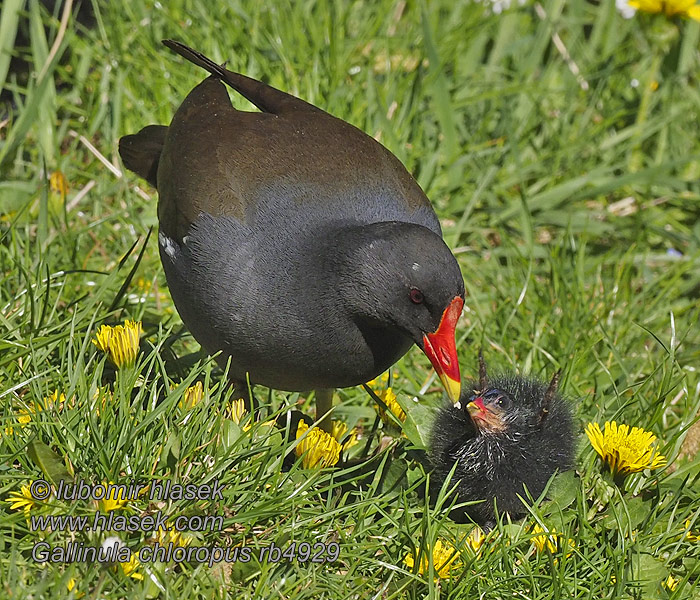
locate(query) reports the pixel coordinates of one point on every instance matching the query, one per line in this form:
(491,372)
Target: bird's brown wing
(268,165)
(197,171)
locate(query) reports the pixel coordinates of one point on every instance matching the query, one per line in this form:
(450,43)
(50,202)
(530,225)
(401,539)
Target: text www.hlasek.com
(124,523)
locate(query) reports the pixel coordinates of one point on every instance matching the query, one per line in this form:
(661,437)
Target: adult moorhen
(294,243)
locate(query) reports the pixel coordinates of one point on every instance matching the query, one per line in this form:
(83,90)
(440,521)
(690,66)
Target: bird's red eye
(416,296)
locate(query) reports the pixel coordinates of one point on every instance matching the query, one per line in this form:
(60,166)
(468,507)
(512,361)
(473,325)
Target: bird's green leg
(324,402)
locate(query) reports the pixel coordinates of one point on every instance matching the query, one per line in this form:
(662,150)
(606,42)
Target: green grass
(575,217)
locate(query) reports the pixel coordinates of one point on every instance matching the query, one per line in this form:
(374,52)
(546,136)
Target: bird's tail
(265,97)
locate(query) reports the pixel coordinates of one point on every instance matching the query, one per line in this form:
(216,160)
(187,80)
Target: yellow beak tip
(452,387)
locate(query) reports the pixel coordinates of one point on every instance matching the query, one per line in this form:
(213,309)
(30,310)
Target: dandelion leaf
(50,463)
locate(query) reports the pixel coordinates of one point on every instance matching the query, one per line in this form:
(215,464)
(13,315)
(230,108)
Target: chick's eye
(416,296)
(497,397)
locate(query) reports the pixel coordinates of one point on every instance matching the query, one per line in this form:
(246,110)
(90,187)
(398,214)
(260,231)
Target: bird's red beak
(478,405)
(441,349)
(485,419)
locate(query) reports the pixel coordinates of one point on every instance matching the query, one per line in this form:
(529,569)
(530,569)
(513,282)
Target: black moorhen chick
(511,433)
(294,243)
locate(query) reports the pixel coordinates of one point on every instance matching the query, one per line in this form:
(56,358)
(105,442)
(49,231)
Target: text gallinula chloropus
(511,433)
(293,242)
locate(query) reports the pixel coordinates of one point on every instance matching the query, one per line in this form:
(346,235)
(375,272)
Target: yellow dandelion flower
(102,397)
(22,418)
(114,499)
(544,540)
(172,536)
(71,588)
(339,431)
(389,398)
(192,396)
(670,8)
(351,440)
(379,382)
(550,540)
(130,567)
(626,451)
(689,535)
(444,556)
(317,449)
(144,285)
(120,343)
(270,425)
(476,538)
(59,184)
(236,410)
(54,401)
(671,583)
(7,216)
(22,500)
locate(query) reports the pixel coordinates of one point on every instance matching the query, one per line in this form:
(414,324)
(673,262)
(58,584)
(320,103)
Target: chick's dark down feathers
(527,440)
